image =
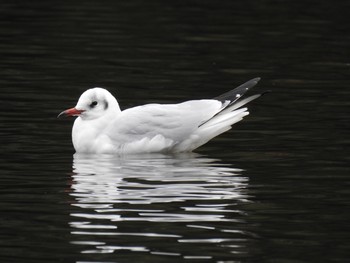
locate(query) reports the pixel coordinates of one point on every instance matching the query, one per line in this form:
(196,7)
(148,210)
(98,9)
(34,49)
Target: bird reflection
(140,196)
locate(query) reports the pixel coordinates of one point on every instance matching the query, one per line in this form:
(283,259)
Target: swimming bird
(102,127)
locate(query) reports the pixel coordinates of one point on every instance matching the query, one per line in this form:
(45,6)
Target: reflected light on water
(123,203)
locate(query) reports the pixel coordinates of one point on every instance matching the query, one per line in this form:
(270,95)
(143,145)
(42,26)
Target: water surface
(274,189)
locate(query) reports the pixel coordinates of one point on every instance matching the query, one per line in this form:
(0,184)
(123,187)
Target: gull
(103,128)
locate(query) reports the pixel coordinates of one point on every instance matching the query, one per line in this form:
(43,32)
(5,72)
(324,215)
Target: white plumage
(101,127)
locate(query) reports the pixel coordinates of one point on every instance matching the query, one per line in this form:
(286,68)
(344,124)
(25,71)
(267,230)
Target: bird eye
(93,104)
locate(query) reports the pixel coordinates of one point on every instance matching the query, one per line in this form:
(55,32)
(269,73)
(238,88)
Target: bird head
(92,104)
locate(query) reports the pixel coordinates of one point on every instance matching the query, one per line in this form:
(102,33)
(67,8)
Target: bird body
(101,127)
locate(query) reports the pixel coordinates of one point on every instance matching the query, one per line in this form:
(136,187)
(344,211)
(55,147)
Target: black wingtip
(249,84)
(237,93)
(252,82)
(266,92)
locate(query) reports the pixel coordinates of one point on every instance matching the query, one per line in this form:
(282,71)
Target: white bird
(101,127)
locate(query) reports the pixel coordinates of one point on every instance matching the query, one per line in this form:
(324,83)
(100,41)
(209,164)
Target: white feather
(103,128)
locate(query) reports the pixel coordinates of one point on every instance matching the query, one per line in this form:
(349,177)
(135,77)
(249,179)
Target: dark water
(274,189)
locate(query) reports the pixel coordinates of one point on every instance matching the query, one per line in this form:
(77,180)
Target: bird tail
(231,113)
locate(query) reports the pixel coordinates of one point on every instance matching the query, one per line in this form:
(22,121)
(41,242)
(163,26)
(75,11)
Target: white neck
(86,132)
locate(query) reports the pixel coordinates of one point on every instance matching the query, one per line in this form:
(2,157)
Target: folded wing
(178,127)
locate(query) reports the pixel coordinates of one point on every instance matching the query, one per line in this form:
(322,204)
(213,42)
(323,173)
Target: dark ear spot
(105,105)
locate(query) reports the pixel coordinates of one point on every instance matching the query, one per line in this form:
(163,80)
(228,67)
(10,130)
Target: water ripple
(179,197)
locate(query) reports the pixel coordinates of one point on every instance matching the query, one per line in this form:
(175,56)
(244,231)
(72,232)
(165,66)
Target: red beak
(70,112)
